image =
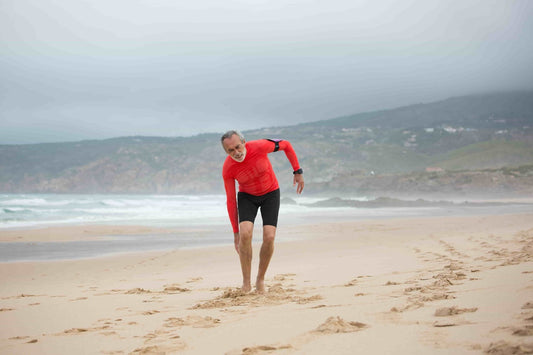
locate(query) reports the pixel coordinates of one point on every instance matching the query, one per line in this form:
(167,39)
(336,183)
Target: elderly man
(248,164)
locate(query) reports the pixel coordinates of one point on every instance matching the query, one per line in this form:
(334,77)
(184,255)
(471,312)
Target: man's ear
(224,147)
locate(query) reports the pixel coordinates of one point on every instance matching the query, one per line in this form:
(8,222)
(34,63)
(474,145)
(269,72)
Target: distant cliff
(445,146)
(517,182)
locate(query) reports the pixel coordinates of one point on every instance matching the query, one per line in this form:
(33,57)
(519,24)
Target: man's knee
(246,231)
(269,234)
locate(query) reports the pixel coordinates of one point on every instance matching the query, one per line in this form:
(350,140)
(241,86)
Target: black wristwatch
(299,171)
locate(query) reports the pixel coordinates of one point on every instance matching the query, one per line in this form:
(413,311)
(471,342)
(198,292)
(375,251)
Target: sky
(96,69)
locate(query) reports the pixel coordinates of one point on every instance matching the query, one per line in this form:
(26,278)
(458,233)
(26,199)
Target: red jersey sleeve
(231,203)
(290,153)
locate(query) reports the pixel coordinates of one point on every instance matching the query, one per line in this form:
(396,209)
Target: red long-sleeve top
(254,174)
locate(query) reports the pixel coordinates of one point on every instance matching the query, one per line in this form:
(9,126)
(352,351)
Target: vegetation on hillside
(468,133)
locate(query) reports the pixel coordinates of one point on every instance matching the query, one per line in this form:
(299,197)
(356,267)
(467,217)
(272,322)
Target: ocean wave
(114,203)
(47,209)
(15,210)
(177,202)
(41,202)
(24,202)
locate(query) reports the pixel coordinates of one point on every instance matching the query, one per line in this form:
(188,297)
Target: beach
(410,285)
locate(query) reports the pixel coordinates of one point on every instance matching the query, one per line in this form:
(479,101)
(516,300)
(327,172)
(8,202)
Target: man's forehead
(235,139)
(232,141)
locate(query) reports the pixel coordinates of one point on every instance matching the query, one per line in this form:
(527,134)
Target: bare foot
(260,286)
(246,288)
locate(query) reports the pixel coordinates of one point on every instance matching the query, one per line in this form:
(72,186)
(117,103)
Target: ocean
(203,218)
(38,210)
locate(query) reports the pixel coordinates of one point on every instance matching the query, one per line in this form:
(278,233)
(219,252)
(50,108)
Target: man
(248,163)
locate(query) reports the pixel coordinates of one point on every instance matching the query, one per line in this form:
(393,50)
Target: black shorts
(269,203)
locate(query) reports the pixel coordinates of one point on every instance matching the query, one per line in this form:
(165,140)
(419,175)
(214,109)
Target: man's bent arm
(290,153)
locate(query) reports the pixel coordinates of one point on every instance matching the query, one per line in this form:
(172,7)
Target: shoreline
(89,241)
(342,213)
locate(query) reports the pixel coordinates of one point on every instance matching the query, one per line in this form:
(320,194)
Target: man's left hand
(298,180)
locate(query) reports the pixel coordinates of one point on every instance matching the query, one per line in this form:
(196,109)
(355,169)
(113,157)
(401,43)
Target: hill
(479,132)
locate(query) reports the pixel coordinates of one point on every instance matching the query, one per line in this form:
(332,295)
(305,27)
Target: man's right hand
(236,239)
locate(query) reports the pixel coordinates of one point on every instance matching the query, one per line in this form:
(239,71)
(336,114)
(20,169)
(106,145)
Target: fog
(98,69)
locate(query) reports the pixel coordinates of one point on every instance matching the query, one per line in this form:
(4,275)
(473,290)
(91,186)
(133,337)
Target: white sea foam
(24,202)
(34,210)
(31,210)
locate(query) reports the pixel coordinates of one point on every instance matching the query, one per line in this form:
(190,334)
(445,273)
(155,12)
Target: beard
(240,158)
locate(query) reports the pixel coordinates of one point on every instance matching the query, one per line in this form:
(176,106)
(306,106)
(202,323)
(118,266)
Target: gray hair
(229,134)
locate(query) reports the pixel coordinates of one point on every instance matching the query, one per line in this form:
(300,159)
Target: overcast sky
(92,69)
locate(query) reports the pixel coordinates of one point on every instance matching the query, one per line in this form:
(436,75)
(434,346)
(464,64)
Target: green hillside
(494,111)
(489,154)
(472,132)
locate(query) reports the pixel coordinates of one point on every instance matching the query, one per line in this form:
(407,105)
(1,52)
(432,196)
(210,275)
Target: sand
(74,233)
(446,285)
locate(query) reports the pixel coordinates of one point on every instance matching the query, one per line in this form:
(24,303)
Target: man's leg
(267,249)
(246,229)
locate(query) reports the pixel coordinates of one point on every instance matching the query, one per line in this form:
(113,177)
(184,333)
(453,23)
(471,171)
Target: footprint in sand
(155,334)
(194,279)
(155,349)
(23,337)
(137,291)
(174,288)
(444,324)
(74,331)
(194,321)
(168,289)
(149,313)
(503,347)
(409,306)
(451,311)
(319,306)
(275,295)
(392,283)
(109,333)
(351,283)
(528,305)
(167,343)
(334,325)
(523,331)
(79,299)
(264,349)
(284,277)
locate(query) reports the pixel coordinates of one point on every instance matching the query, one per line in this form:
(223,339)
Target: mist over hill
(465,144)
